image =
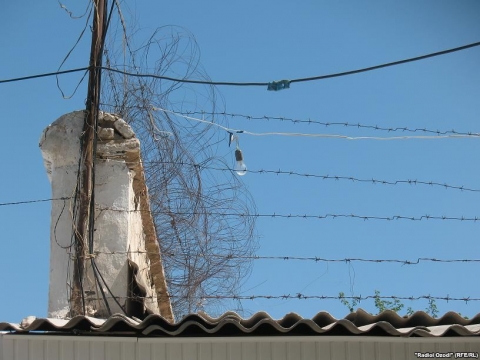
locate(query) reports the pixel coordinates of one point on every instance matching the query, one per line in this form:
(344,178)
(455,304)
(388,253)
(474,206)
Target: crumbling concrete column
(125,249)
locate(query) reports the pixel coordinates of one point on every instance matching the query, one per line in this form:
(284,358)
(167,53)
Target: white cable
(331,136)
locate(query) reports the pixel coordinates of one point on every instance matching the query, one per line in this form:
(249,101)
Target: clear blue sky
(273,40)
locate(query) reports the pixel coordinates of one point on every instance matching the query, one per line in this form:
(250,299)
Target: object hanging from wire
(240,168)
(278,85)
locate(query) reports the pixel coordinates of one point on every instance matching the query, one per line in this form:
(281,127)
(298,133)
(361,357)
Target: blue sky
(274,40)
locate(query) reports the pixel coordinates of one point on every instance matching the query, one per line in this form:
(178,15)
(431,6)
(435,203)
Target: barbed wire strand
(280,172)
(300,296)
(319,217)
(315,259)
(323,177)
(327,124)
(330,136)
(283,216)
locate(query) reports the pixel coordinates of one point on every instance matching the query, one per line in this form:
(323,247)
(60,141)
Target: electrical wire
(330,136)
(394,63)
(229,83)
(70,13)
(314,78)
(200,82)
(91,220)
(32,201)
(72,49)
(44,75)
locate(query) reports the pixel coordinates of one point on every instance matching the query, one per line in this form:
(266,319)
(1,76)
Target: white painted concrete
(118,227)
(60,145)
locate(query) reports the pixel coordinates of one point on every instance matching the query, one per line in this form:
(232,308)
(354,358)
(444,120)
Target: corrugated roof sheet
(358,323)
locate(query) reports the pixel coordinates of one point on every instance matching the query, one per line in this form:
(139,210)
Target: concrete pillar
(125,249)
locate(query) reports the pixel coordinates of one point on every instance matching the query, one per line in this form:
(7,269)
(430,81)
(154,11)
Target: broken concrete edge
(109,123)
(106,134)
(123,128)
(133,159)
(129,150)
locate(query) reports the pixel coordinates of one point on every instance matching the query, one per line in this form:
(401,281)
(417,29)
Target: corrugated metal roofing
(358,323)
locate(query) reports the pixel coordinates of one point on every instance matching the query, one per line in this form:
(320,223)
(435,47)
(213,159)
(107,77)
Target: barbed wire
(327,124)
(286,216)
(320,217)
(316,135)
(281,172)
(325,177)
(308,175)
(300,296)
(315,259)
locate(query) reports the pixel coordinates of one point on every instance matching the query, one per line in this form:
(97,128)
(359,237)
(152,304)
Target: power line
(44,75)
(32,201)
(328,136)
(200,82)
(90,6)
(387,64)
(328,124)
(229,83)
(321,77)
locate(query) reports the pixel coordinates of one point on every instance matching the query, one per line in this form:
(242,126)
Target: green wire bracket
(278,85)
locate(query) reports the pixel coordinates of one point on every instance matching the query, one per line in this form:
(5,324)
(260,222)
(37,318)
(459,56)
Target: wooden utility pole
(84,220)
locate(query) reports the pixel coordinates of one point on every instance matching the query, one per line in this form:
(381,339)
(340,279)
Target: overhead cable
(44,75)
(72,49)
(417,58)
(275,85)
(32,201)
(283,84)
